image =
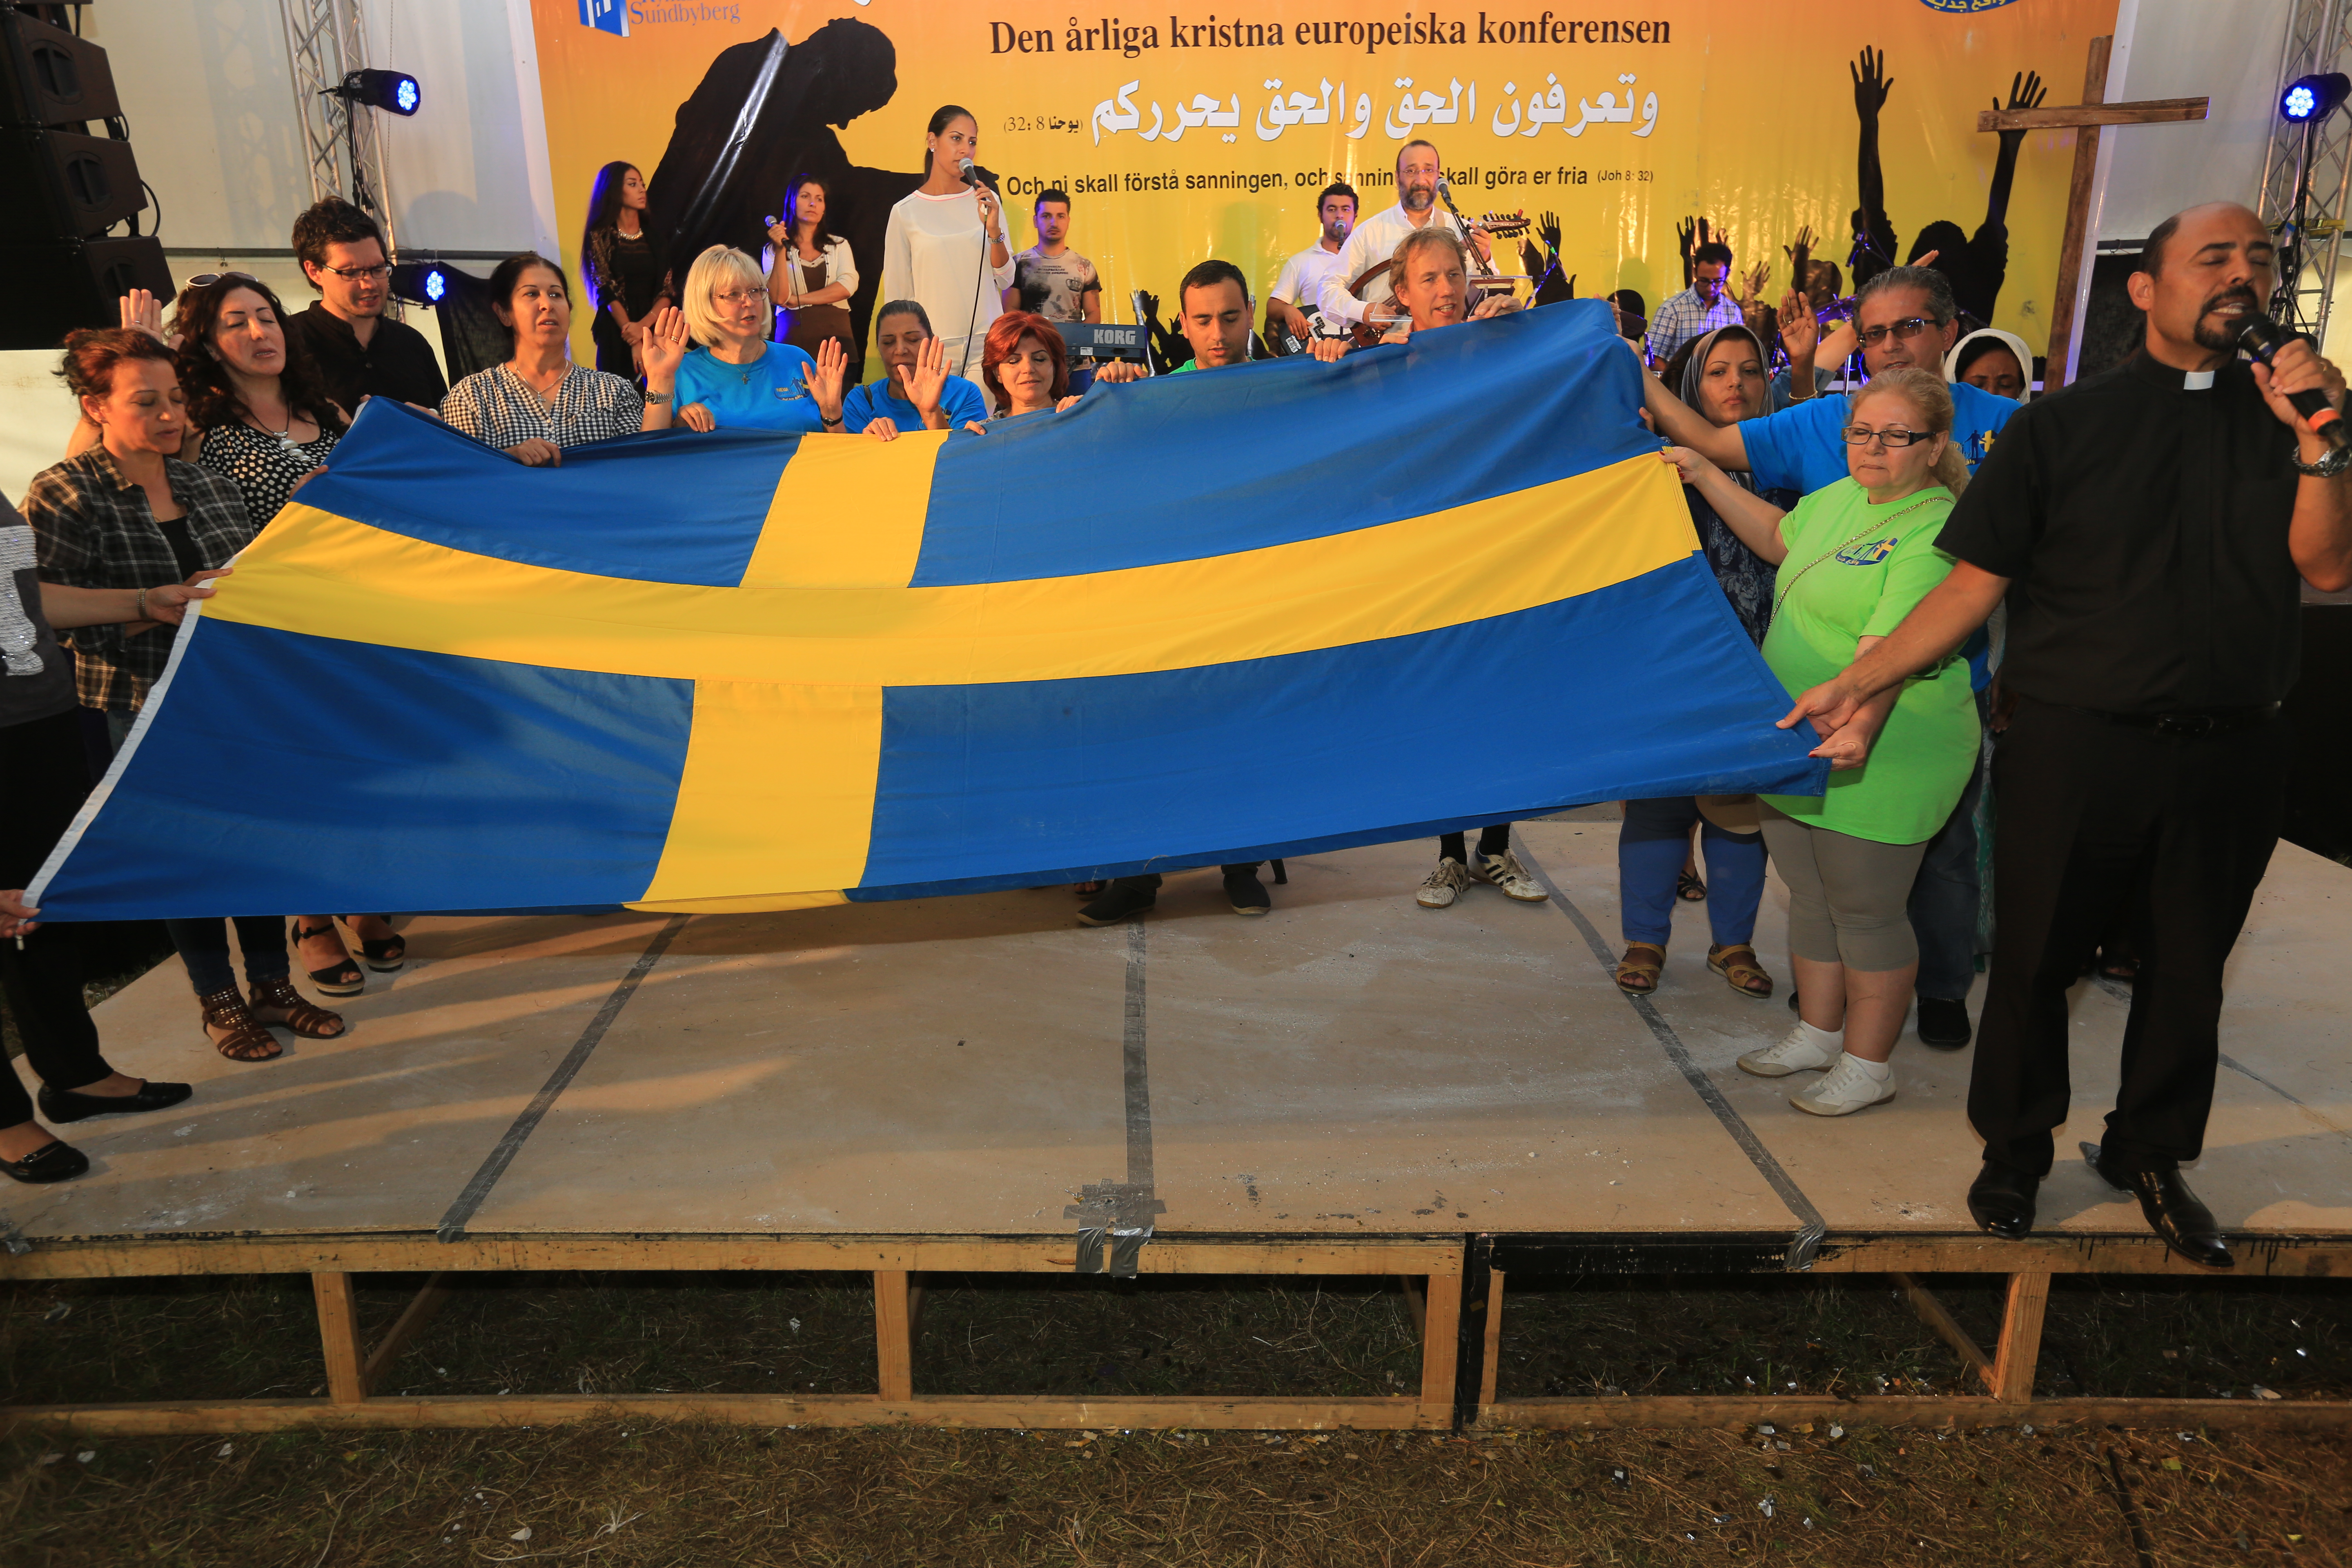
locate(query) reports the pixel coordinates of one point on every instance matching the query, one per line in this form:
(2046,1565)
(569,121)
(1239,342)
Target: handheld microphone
(963,172)
(2263,338)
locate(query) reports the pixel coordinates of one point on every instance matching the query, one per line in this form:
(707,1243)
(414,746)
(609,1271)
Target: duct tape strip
(1811,1226)
(1123,1211)
(452,1224)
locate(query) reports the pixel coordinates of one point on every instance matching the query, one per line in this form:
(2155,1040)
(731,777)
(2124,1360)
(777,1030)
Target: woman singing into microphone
(946,246)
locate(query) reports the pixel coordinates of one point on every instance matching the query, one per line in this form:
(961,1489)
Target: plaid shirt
(1683,318)
(95,530)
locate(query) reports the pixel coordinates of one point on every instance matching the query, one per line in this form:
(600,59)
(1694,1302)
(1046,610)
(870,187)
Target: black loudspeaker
(52,289)
(50,77)
(69,185)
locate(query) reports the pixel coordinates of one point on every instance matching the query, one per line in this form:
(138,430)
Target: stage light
(393,91)
(421,282)
(437,283)
(2314,97)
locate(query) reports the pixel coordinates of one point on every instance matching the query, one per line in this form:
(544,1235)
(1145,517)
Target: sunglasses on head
(207,279)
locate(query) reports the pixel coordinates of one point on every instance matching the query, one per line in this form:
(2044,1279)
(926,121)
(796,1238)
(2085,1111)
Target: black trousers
(2103,824)
(43,780)
(1150,880)
(1495,838)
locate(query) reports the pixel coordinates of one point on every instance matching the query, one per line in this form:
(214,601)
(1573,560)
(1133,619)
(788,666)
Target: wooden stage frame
(1320,1048)
(1454,1284)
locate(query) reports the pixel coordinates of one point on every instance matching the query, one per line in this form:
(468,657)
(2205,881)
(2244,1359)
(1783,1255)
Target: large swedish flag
(1247,613)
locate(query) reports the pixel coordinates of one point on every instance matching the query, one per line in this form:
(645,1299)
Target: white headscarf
(2015,344)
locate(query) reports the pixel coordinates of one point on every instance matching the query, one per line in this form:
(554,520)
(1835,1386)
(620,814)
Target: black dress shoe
(50,1162)
(1246,893)
(1944,1023)
(1127,897)
(66,1105)
(2171,1210)
(2001,1201)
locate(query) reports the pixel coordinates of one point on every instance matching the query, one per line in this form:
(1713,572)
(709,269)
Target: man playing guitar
(1374,243)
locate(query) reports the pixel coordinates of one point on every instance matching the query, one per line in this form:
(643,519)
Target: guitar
(1502,225)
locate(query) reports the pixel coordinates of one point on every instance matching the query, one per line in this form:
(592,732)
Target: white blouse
(934,254)
(840,266)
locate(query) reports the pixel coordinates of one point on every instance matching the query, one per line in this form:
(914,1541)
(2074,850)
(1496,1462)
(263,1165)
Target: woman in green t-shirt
(1853,558)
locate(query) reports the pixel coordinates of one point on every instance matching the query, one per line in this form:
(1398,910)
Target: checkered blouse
(95,530)
(498,406)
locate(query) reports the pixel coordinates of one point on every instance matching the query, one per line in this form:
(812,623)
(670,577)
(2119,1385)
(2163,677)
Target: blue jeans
(1650,851)
(1944,902)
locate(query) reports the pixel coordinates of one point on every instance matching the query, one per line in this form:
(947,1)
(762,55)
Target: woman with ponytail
(1854,557)
(946,249)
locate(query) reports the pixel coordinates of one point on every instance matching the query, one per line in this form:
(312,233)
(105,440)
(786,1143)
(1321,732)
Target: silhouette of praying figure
(1976,266)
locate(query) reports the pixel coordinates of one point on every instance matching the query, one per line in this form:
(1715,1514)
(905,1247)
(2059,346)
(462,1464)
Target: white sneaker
(1443,884)
(1844,1090)
(1506,872)
(1799,1052)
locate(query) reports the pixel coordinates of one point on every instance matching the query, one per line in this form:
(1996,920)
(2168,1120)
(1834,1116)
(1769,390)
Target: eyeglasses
(737,295)
(1909,327)
(376,274)
(1862,436)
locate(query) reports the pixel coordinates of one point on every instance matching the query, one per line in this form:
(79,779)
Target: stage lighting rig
(2311,98)
(420,282)
(395,92)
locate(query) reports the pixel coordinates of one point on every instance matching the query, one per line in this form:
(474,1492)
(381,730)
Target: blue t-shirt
(766,395)
(1798,449)
(960,400)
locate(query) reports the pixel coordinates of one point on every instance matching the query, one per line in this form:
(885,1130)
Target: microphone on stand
(963,172)
(2263,338)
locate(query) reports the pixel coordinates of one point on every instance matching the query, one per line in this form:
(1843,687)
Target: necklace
(286,437)
(1781,597)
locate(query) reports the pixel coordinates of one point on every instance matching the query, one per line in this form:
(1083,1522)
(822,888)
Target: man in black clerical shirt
(2150,527)
(358,352)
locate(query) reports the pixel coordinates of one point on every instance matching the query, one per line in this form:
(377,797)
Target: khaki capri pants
(1848,897)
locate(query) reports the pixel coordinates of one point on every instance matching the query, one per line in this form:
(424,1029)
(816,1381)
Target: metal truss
(325,39)
(2309,167)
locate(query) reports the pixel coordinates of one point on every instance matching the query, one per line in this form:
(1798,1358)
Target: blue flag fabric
(1278,608)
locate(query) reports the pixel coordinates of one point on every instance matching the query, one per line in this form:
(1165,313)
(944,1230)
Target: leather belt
(2214,721)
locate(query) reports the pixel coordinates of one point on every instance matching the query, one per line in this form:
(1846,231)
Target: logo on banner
(606,15)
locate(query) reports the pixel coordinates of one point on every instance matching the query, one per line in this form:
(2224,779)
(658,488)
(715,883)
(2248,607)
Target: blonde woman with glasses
(734,378)
(1853,558)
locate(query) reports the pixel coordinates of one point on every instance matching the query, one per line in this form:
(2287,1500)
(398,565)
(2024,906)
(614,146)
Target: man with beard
(357,351)
(1375,241)
(1298,293)
(2150,528)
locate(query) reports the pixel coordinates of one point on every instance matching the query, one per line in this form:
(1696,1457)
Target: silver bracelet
(659,398)
(2338,460)
(141,613)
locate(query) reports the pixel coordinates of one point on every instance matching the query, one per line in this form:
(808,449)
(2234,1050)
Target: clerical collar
(2196,380)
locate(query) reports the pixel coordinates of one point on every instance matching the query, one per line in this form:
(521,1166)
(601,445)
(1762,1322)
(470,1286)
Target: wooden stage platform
(1351,1085)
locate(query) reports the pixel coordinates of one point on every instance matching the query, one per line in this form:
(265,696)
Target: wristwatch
(659,398)
(2338,460)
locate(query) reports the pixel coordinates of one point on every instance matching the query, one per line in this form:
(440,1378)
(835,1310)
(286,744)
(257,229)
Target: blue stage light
(404,97)
(395,91)
(436,284)
(2312,97)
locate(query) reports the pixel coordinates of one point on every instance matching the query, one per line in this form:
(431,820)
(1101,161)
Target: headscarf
(2015,345)
(1694,369)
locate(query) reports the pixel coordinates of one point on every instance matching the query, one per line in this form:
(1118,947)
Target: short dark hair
(1207,275)
(333,221)
(1416,142)
(1339,188)
(509,275)
(1714,252)
(2151,251)
(904,308)
(1050,194)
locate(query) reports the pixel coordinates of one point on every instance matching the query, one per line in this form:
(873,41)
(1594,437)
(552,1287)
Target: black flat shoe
(2171,1210)
(1121,900)
(1944,1023)
(2001,1201)
(50,1162)
(1247,894)
(66,1105)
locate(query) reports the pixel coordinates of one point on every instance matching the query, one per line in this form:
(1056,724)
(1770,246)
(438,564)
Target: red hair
(92,352)
(1006,335)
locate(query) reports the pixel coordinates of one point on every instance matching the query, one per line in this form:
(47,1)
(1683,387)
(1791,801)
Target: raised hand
(1758,276)
(1801,331)
(823,379)
(2025,92)
(1806,240)
(142,312)
(1548,228)
(926,380)
(1871,84)
(664,347)
(1687,238)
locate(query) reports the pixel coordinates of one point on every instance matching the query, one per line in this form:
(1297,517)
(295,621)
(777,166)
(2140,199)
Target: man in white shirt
(1297,298)
(1375,241)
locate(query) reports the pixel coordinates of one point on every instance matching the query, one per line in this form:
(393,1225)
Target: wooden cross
(2084,119)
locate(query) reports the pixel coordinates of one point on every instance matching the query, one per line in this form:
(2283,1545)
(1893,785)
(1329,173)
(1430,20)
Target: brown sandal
(1638,976)
(247,1040)
(1737,965)
(278,1003)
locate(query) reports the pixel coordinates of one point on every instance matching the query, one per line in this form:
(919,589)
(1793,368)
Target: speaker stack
(64,189)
